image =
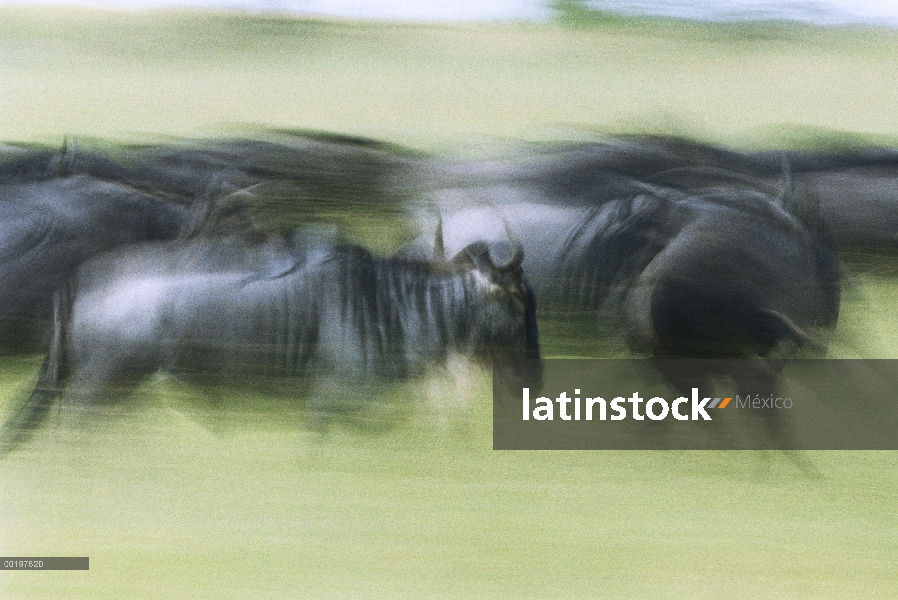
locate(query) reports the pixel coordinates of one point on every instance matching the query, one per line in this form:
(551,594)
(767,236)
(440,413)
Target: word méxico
(656,409)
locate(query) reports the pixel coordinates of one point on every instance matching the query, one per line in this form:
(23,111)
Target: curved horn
(61,163)
(439,249)
(518,253)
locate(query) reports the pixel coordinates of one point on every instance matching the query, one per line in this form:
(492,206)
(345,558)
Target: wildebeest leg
(332,396)
(79,381)
(363,402)
(764,377)
(50,381)
(450,394)
(114,344)
(31,414)
(102,380)
(689,330)
(684,374)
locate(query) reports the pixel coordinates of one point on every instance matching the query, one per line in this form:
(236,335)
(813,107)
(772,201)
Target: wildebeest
(329,313)
(689,262)
(59,208)
(854,190)
(54,216)
(593,217)
(294,176)
(734,248)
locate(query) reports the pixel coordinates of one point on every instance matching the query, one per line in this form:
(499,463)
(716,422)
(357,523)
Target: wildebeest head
(502,315)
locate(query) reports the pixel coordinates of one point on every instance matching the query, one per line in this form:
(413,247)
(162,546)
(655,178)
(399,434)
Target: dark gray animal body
(330,314)
(50,224)
(59,208)
(734,255)
(720,270)
(853,193)
(292,176)
(689,262)
(632,193)
(742,279)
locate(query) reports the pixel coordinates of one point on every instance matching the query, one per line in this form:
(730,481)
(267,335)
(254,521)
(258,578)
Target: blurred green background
(126,75)
(176,494)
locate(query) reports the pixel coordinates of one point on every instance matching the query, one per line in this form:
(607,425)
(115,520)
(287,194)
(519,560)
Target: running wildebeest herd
(189,259)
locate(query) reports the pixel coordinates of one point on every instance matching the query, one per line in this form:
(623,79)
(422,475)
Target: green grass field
(172,497)
(140,75)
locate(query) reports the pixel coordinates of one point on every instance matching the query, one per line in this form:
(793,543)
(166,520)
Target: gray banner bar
(44,563)
(810,404)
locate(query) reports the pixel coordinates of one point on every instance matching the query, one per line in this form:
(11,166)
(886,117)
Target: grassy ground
(138,75)
(172,497)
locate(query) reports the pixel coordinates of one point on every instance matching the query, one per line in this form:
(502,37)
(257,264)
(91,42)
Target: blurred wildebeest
(717,273)
(689,262)
(294,176)
(59,208)
(593,215)
(746,272)
(54,213)
(334,315)
(854,191)
(857,195)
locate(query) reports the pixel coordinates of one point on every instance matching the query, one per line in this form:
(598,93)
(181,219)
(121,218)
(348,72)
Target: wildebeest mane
(611,245)
(25,165)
